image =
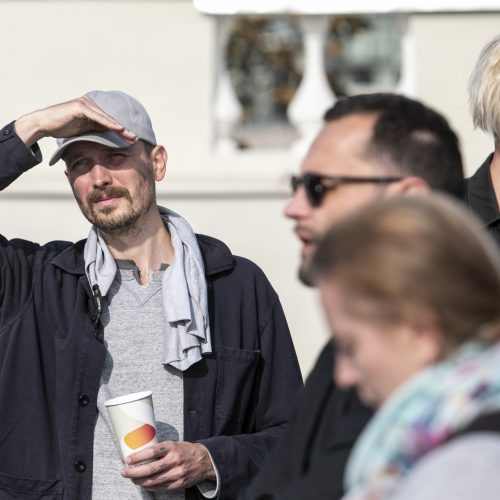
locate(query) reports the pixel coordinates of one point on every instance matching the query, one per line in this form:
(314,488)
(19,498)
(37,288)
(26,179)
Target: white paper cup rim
(128,398)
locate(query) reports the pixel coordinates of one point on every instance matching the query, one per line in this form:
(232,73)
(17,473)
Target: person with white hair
(483,188)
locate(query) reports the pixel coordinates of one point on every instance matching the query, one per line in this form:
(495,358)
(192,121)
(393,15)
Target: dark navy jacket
(237,400)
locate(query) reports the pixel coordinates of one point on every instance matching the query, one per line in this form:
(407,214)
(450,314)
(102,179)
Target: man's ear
(408,186)
(159,159)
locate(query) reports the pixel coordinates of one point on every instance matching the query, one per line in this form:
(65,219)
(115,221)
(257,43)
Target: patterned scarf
(420,415)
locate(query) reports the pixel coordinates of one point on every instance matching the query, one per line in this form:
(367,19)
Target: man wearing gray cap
(141,304)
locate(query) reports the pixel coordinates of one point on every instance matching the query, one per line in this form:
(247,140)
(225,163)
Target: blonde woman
(483,188)
(411,288)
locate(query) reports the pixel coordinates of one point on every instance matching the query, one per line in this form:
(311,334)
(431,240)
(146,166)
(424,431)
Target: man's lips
(308,242)
(103,202)
(308,247)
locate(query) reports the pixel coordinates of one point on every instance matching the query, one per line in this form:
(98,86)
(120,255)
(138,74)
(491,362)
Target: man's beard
(139,202)
(305,274)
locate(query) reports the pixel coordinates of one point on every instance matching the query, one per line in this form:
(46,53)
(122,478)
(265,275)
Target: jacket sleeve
(239,457)
(275,477)
(15,156)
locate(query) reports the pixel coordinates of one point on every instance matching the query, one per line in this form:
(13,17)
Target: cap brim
(108,139)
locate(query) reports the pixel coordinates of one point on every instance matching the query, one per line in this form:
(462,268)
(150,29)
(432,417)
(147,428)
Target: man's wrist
(210,486)
(209,469)
(28,130)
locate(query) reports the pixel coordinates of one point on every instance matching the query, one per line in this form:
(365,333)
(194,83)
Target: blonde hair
(402,257)
(484,89)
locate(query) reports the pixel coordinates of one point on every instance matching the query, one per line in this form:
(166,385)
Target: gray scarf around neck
(184,291)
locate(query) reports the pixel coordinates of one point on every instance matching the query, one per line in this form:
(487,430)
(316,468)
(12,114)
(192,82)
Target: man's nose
(297,206)
(100,175)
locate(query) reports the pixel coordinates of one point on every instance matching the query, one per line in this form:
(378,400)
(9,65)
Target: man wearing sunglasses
(371,146)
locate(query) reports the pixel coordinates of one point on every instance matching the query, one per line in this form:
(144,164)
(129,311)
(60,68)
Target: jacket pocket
(237,374)
(20,488)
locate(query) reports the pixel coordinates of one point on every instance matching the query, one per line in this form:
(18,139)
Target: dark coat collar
(217,257)
(481,194)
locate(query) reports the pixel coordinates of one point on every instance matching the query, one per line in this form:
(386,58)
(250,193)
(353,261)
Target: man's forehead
(340,147)
(87,147)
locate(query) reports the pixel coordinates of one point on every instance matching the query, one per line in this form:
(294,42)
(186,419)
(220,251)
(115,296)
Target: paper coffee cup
(133,420)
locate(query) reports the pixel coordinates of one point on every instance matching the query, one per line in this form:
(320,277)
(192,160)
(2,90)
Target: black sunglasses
(316,188)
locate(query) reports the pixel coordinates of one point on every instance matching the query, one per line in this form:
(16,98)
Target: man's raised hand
(75,117)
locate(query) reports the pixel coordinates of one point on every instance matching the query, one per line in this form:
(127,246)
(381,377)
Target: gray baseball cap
(126,110)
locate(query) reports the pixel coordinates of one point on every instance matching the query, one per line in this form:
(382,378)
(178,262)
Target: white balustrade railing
(408,75)
(314,94)
(227,109)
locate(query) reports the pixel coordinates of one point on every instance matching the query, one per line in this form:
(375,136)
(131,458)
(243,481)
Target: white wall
(163,53)
(447,46)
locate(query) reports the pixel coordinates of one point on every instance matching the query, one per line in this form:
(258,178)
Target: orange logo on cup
(140,436)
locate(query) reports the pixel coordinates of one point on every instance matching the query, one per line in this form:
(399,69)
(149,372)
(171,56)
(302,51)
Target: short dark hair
(410,137)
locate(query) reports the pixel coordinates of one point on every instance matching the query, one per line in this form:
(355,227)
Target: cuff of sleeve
(26,156)
(210,489)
